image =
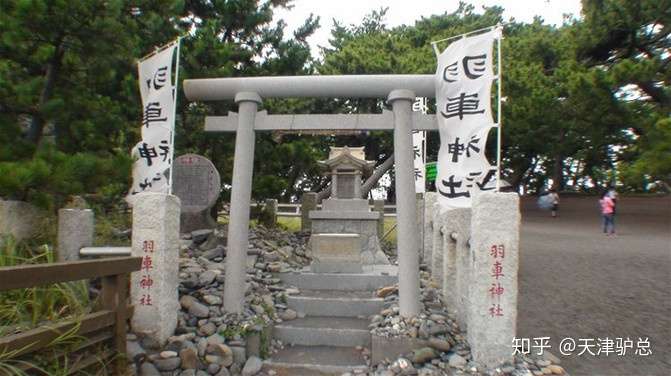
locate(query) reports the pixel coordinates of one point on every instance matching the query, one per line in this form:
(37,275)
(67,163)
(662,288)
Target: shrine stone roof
(352,157)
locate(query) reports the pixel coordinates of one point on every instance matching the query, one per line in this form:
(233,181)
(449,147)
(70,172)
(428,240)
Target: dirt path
(576,282)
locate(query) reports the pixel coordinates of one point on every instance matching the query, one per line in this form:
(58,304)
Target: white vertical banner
(464,79)
(154,153)
(419,149)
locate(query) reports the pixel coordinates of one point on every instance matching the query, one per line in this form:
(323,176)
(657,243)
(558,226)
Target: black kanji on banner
(464,104)
(452,186)
(474,68)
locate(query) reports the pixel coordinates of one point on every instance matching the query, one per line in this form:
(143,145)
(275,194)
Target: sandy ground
(576,282)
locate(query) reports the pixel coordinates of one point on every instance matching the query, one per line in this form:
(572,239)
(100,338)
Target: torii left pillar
(238,226)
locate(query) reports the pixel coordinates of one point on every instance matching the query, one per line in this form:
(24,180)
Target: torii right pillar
(406,205)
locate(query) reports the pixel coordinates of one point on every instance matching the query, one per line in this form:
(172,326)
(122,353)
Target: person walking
(608,213)
(554,197)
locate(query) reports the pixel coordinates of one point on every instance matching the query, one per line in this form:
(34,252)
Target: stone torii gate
(399,90)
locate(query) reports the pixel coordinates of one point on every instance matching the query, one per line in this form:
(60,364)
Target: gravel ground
(576,282)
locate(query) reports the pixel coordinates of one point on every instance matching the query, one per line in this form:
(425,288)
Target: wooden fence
(107,323)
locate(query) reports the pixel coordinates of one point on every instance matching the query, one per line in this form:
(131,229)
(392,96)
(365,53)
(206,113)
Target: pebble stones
(423,355)
(288,315)
(208,340)
(169,364)
(446,351)
(148,369)
(252,366)
(456,361)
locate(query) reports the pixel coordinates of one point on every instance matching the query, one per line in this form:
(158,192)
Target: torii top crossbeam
(354,86)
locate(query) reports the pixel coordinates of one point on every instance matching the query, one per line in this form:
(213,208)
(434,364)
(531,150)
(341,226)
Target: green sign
(431,171)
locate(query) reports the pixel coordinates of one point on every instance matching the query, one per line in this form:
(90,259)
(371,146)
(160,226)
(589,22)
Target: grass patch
(292,224)
(23,309)
(389,231)
(108,228)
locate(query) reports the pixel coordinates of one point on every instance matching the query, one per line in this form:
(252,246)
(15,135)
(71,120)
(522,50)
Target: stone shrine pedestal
(346,214)
(351,216)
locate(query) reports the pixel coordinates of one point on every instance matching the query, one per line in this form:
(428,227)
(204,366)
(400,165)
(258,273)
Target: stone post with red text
(492,309)
(154,289)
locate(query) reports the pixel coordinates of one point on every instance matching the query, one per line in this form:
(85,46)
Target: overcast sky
(408,11)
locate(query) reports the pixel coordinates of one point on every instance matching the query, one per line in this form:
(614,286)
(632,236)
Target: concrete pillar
(308,203)
(270,213)
(419,208)
(378,206)
(75,230)
(450,263)
(437,241)
(238,227)
(463,264)
(406,208)
(492,313)
(154,289)
(429,202)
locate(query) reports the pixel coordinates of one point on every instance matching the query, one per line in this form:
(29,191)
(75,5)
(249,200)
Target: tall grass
(23,309)
(108,227)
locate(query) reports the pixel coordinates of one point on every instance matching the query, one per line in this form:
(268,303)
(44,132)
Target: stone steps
(336,303)
(324,331)
(315,360)
(373,277)
(336,309)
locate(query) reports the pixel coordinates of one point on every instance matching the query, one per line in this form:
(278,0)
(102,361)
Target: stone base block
(360,223)
(75,230)
(20,219)
(336,253)
(372,278)
(196,221)
(391,348)
(335,267)
(345,204)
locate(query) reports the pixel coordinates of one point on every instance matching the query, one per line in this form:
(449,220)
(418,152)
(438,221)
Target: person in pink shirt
(608,213)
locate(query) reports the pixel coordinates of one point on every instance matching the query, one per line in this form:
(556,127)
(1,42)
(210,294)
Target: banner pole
(157,50)
(498,116)
(174,115)
(464,34)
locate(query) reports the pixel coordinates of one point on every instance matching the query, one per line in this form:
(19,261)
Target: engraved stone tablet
(197,184)
(345,187)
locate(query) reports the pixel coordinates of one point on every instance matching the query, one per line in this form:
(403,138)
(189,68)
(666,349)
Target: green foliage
(265,342)
(51,176)
(69,104)
(629,41)
(564,116)
(654,158)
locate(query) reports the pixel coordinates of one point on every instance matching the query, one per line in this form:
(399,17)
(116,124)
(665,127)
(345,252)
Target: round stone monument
(197,184)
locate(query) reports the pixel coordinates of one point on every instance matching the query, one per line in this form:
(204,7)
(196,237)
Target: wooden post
(114,298)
